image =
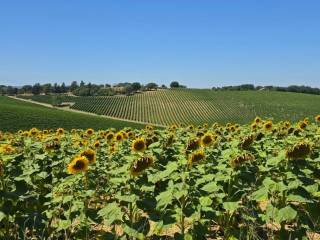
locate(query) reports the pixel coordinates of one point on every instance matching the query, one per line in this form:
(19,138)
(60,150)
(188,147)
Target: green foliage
(266,196)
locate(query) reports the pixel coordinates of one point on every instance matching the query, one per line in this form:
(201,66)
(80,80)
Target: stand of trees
(292,88)
(79,89)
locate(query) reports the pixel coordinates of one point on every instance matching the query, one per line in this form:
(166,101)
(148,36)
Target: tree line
(84,89)
(292,88)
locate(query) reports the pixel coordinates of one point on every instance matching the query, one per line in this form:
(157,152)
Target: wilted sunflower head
(207,139)
(247,141)
(140,165)
(240,159)
(196,157)
(138,145)
(317,118)
(89,131)
(78,165)
(299,151)
(258,120)
(193,144)
(268,125)
(60,131)
(124,135)
(53,145)
(89,154)
(118,136)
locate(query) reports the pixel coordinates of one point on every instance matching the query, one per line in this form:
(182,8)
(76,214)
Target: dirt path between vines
(67,109)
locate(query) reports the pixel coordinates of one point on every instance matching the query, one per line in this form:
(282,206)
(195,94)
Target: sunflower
(45,131)
(190,127)
(302,125)
(258,120)
(109,136)
(54,145)
(287,124)
(306,121)
(113,148)
(124,135)
(140,165)
(33,131)
(298,151)
(206,139)
(240,159)
(170,140)
(193,144)
(20,132)
(119,136)
(97,144)
(130,134)
(89,154)
(89,131)
(205,125)
(268,125)
(247,141)
(254,126)
(78,165)
(7,149)
(138,145)
(196,157)
(317,118)
(60,131)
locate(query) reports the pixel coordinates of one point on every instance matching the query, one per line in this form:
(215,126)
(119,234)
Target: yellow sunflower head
(254,126)
(306,121)
(138,145)
(124,135)
(89,154)
(302,125)
(78,165)
(141,165)
(97,144)
(60,131)
(109,136)
(258,120)
(20,132)
(190,127)
(89,131)
(268,125)
(33,131)
(287,124)
(207,139)
(317,118)
(7,149)
(196,157)
(118,137)
(130,134)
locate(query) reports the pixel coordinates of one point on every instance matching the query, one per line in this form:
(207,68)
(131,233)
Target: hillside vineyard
(197,106)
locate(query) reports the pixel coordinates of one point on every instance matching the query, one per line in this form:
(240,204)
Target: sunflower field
(255,181)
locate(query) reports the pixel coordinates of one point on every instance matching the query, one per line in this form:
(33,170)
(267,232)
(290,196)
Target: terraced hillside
(198,106)
(15,115)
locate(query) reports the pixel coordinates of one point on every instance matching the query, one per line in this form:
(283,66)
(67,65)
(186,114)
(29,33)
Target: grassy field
(199,106)
(15,115)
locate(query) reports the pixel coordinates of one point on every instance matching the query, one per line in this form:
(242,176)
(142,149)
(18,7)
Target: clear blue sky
(198,43)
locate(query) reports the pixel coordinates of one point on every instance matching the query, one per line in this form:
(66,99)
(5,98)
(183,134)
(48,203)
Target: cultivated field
(256,181)
(197,106)
(15,115)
